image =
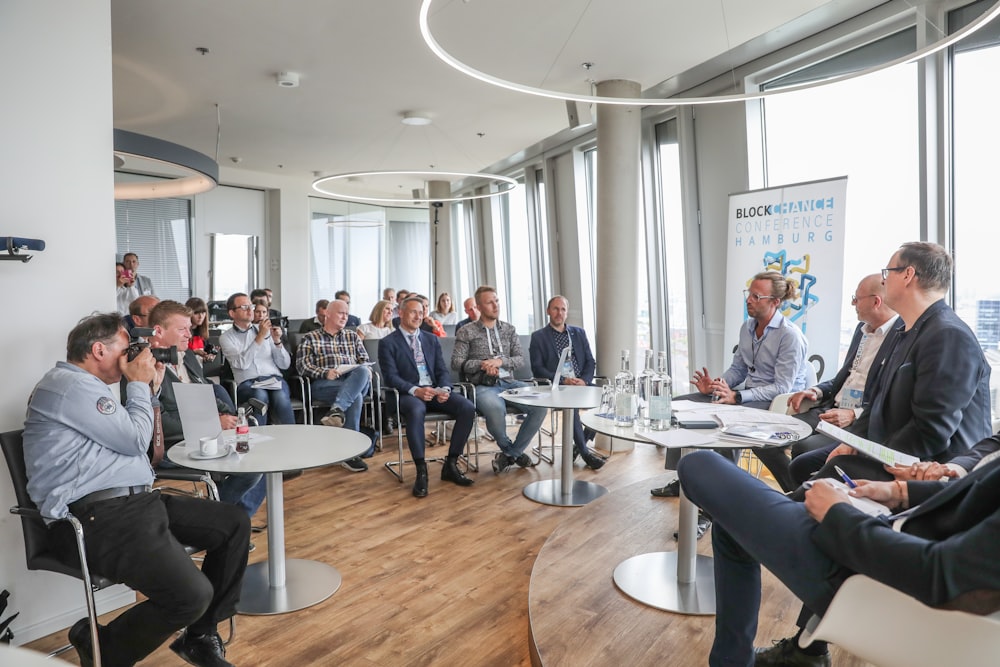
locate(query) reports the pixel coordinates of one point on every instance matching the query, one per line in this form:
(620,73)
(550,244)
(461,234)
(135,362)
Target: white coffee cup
(209,446)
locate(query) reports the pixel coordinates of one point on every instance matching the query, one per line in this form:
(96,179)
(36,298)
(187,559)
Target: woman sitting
(444,312)
(199,330)
(380,322)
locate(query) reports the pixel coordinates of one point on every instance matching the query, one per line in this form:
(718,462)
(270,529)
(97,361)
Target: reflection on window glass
(673,228)
(865,128)
(233,264)
(977,294)
(346,244)
(518,260)
(158,231)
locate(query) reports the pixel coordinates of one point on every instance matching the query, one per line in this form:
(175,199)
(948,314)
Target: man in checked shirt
(333,359)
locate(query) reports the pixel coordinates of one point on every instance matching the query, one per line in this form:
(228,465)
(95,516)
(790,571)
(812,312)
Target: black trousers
(137,540)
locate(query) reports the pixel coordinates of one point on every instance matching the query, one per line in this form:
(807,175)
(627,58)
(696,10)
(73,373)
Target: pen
(847,480)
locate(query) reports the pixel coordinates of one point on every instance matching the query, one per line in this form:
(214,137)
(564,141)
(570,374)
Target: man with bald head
(138,312)
(324,356)
(471,310)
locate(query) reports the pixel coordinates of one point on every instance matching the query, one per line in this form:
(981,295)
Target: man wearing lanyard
(411,362)
(257,357)
(486,354)
(545,350)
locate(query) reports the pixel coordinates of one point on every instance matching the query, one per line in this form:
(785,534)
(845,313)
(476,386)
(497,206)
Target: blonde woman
(444,311)
(380,322)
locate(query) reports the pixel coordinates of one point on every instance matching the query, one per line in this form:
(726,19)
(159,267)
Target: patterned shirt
(321,350)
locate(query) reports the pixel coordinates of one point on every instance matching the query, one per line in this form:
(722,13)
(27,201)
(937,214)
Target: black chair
(37,549)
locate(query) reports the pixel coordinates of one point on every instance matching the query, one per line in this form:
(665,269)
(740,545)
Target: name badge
(852,399)
(567,368)
(425,376)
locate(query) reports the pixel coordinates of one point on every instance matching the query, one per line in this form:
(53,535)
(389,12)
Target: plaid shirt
(320,350)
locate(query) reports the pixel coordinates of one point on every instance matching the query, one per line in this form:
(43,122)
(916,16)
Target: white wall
(55,129)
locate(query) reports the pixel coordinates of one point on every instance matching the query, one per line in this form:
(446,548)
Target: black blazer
(932,396)
(949,547)
(544,355)
(832,386)
(399,370)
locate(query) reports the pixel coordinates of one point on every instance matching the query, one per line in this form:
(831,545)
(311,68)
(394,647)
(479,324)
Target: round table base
(307,582)
(652,580)
(550,492)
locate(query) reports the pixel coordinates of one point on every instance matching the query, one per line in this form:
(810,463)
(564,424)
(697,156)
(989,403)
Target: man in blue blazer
(411,363)
(545,349)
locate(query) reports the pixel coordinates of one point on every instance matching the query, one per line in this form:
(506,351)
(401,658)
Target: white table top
(289,447)
(16,656)
(563,397)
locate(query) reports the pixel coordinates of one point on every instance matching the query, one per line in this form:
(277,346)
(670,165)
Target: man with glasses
(932,397)
(769,360)
(138,312)
(840,401)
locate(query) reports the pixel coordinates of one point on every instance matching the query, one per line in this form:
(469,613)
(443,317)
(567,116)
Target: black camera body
(138,343)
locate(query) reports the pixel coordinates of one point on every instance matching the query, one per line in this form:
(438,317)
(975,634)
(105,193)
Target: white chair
(883,626)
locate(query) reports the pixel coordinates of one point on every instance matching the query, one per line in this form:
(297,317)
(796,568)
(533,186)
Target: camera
(138,343)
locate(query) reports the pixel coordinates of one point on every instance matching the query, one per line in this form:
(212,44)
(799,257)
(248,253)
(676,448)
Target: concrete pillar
(442,279)
(617,226)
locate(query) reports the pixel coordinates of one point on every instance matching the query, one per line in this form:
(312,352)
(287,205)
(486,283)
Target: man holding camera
(257,357)
(171,326)
(85,454)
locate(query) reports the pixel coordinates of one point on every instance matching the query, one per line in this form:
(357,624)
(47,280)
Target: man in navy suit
(545,349)
(411,362)
(945,551)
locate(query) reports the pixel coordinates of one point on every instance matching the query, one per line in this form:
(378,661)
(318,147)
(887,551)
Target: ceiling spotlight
(288,79)
(413,118)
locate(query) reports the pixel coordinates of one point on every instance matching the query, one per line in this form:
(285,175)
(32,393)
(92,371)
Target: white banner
(799,231)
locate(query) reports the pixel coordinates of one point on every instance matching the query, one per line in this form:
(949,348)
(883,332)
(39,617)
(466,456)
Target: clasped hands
(431,393)
(491,366)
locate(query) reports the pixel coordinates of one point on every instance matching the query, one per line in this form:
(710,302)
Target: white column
(442,279)
(618,225)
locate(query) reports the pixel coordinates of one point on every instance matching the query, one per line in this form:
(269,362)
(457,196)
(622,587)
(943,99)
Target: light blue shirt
(78,438)
(250,359)
(771,365)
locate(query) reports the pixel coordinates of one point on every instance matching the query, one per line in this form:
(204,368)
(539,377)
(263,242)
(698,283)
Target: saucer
(223,451)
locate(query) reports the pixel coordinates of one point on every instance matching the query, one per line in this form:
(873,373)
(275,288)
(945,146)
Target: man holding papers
(932,396)
(334,359)
(545,351)
(945,552)
(257,357)
(411,362)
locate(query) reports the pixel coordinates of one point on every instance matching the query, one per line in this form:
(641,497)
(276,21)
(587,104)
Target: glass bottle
(242,432)
(645,385)
(625,394)
(659,396)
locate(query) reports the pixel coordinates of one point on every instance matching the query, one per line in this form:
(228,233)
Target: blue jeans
(754,525)
(494,409)
(234,490)
(255,495)
(347,392)
(280,401)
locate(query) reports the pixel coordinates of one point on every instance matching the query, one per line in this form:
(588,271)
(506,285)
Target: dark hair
(322,304)
(166,309)
(413,298)
(135,308)
(557,296)
(98,328)
(930,261)
(231,301)
(483,289)
(130,253)
(782,289)
(198,305)
(259,301)
(437,305)
(341,292)
(117,264)
(260,291)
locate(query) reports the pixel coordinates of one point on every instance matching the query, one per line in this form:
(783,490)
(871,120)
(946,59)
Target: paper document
(343,369)
(759,434)
(878,452)
(270,384)
(866,505)
(754,416)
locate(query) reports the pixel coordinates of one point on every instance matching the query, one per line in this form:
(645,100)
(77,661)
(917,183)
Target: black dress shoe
(593,461)
(79,637)
(704,523)
(671,490)
(786,653)
(451,473)
(420,485)
(201,650)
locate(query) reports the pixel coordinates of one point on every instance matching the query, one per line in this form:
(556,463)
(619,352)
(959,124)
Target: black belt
(80,506)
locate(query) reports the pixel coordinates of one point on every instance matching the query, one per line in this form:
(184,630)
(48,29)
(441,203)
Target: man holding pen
(411,362)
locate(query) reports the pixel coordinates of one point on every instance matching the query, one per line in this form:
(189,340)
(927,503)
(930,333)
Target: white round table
(565,491)
(278,586)
(680,581)
(16,656)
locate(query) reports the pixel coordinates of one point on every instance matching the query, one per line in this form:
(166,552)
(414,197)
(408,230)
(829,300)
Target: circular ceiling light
(373,186)
(468,70)
(413,118)
(188,172)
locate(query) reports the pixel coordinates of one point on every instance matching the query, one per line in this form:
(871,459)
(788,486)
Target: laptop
(198,412)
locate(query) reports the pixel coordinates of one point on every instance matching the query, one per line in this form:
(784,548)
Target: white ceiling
(363,63)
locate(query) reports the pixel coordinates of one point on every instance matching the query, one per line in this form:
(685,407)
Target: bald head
(139,310)
(869,301)
(336,316)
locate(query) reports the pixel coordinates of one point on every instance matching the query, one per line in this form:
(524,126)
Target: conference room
(649,216)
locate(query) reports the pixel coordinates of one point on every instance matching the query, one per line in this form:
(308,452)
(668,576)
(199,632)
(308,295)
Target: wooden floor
(444,580)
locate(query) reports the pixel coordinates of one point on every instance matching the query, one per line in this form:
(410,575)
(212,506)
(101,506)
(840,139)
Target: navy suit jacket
(399,370)
(545,356)
(932,397)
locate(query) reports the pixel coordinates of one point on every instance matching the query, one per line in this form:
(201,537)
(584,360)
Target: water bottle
(242,432)
(645,386)
(625,394)
(659,396)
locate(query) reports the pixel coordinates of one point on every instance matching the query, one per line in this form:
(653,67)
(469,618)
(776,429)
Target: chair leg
(88,588)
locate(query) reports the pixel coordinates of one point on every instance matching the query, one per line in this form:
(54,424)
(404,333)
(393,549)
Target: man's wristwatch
(737,398)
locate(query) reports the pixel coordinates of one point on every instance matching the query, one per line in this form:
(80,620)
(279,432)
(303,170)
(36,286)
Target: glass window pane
(673,232)
(159,232)
(518,260)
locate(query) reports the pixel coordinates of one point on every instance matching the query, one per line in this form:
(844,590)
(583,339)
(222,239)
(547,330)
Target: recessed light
(414,118)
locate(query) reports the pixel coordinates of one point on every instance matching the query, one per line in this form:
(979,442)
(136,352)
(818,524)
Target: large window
(159,232)
(517,259)
(671,217)
(463,254)
(866,129)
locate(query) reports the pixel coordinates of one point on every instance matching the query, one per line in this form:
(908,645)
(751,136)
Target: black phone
(697,423)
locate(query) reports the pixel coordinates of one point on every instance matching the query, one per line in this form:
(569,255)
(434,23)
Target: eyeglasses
(855,298)
(748,295)
(886,271)
(245,306)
